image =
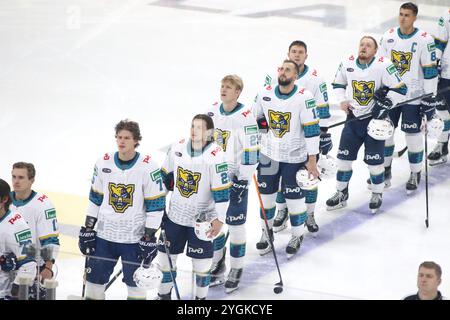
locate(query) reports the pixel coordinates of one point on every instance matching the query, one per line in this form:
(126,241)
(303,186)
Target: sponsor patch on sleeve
(251,129)
(23,235)
(50,214)
(323,87)
(156,175)
(310,103)
(391,69)
(431,47)
(222,167)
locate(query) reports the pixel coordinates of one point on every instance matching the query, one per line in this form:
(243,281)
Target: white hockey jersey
(414,56)
(357,83)
(40,214)
(237,133)
(14,236)
(201,183)
(292,121)
(126,198)
(312,81)
(441,39)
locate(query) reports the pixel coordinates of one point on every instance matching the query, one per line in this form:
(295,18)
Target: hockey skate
(233,279)
(375,202)
(293,246)
(280,222)
(338,200)
(218,272)
(413,183)
(263,245)
(387,179)
(311,223)
(439,154)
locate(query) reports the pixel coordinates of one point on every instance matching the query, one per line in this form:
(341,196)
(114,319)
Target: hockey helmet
(435,126)
(327,167)
(305,181)
(380,129)
(148,278)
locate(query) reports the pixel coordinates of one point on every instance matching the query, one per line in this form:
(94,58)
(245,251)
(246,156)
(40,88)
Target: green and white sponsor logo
(310,103)
(222,167)
(323,87)
(23,235)
(441,22)
(268,80)
(431,47)
(155,175)
(391,69)
(50,214)
(251,130)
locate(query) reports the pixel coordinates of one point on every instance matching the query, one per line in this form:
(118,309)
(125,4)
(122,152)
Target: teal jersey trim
(305,71)
(238,107)
(364,66)
(194,153)
(21,203)
(125,165)
(339,86)
(441,45)
(158,204)
(406,36)
(6,214)
(283,96)
(95,197)
(430,72)
(401,90)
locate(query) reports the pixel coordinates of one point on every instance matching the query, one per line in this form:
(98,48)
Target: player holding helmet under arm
(413,53)
(360,85)
(310,79)
(236,132)
(197,171)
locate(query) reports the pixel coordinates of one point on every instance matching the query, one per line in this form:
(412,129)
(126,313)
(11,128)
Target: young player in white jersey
(15,237)
(310,79)
(413,53)
(40,214)
(197,171)
(291,143)
(440,151)
(236,132)
(127,199)
(356,84)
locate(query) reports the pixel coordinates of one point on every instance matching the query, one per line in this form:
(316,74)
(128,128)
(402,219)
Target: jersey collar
(127,165)
(194,153)
(305,71)
(364,66)
(284,96)
(21,203)
(238,107)
(406,36)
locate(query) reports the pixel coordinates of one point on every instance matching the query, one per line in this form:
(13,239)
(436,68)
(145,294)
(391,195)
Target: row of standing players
(209,173)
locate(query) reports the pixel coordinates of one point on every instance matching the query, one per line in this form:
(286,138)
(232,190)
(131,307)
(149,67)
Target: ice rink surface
(70,70)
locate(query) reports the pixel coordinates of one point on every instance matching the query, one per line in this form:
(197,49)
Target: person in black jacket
(428,281)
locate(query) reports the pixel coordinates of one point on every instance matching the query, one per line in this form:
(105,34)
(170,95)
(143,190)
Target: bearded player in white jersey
(126,204)
(310,79)
(40,214)
(290,143)
(236,131)
(412,51)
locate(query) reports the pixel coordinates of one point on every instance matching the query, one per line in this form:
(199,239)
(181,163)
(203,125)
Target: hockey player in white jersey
(310,79)
(15,238)
(288,115)
(40,214)
(197,171)
(126,203)
(412,51)
(236,132)
(359,87)
(440,151)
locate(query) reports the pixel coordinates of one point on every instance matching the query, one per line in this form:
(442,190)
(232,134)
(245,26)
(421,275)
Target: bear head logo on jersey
(402,61)
(187,182)
(221,137)
(363,91)
(279,122)
(120,196)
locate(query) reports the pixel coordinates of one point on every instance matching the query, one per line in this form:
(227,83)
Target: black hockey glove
(8,262)
(381,93)
(87,240)
(262,124)
(169,181)
(381,108)
(428,106)
(148,247)
(239,189)
(326,144)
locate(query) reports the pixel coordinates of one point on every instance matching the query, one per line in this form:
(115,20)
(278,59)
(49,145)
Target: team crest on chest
(120,196)
(221,137)
(279,122)
(187,182)
(402,61)
(363,91)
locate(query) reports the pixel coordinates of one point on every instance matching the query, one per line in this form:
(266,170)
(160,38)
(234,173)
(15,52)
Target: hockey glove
(169,181)
(381,108)
(239,189)
(262,125)
(381,93)
(325,144)
(8,262)
(87,240)
(428,107)
(147,247)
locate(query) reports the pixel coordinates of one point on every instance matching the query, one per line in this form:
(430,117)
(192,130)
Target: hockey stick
(163,234)
(279,285)
(426,172)
(86,261)
(113,279)
(399,153)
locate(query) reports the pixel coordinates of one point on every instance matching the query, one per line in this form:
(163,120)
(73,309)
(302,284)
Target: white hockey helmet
(305,181)
(435,126)
(148,278)
(201,228)
(327,167)
(380,129)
